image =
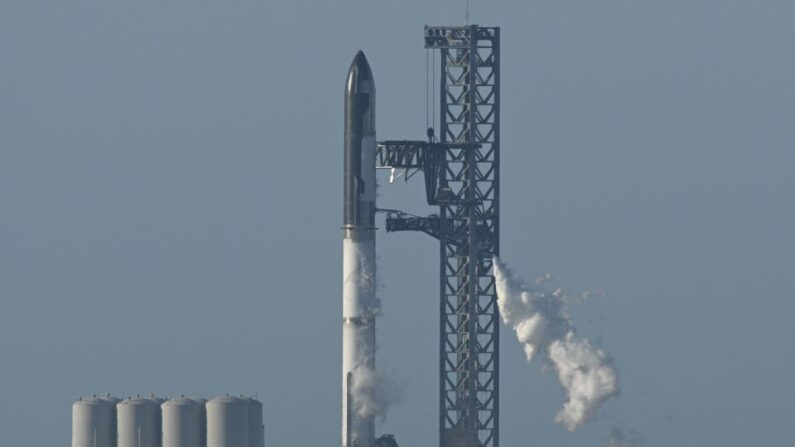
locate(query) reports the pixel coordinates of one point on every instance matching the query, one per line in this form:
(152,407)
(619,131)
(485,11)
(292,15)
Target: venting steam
(373,393)
(543,326)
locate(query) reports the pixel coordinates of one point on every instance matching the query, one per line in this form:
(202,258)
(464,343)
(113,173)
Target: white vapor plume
(373,393)
(543,326)
(618,438)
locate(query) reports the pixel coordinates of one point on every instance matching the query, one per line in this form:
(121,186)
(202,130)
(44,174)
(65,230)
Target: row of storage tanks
(225,421)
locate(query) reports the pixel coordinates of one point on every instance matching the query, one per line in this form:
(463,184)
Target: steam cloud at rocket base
(371,391)
(543,326)
(374,393)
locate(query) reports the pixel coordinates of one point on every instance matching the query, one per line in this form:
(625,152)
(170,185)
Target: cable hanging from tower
(433,90)
(427,91)
(430,93)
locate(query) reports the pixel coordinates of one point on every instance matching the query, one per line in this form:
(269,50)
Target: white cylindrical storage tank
(256,429)
(94,423)
(111,399)
(139,423)
(184,423)
(228,422)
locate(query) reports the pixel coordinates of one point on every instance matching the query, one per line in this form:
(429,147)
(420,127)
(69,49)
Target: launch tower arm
(397,220)
(406,154)
(426,156)
(402,221)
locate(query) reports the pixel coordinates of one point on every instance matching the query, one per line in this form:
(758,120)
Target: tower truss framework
(462,178)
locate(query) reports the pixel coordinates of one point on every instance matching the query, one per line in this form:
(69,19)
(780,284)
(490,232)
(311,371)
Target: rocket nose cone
(360,61)
(359,75)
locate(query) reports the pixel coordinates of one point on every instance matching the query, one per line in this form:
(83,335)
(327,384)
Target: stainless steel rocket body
(359,305)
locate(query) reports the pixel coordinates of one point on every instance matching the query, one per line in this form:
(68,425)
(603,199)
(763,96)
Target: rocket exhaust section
(359,306)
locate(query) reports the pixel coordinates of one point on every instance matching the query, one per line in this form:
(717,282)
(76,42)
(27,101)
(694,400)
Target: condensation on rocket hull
(359,305)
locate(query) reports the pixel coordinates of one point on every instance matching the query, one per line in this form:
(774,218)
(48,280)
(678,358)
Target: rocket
(359,305)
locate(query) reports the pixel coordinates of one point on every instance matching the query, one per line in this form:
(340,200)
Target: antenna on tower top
(467,13)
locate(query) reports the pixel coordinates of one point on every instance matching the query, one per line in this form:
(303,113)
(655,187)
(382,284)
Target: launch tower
(461,170)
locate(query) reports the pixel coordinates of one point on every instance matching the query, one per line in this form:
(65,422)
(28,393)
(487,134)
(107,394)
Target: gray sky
(170,205)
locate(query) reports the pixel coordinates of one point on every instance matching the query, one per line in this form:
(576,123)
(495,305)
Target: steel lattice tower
(462,178)
(469,333)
